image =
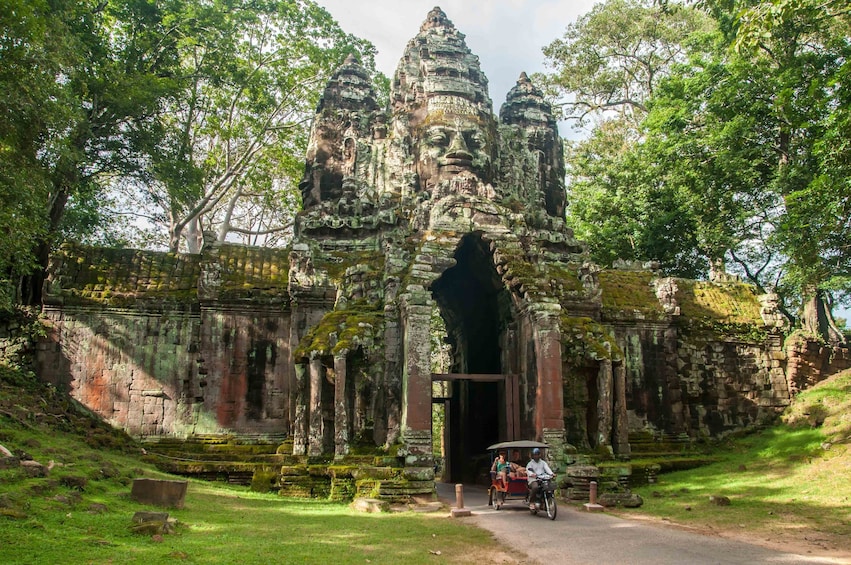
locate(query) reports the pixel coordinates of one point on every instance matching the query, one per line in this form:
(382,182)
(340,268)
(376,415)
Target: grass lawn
(81,512)
(788,486)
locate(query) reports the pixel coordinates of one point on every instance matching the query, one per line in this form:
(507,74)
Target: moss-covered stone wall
(699,358)
(172,344)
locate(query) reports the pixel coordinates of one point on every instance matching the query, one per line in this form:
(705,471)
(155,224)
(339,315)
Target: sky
(507,35)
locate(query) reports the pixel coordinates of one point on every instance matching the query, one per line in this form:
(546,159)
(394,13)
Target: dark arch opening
(475,306)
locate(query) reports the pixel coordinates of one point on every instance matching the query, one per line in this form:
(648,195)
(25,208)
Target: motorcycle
(545,500)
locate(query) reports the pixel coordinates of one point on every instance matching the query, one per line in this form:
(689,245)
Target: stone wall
(810,362)
(17,340)
(700,358)
(729,385)
(133,368)
(244,369)
(172,345)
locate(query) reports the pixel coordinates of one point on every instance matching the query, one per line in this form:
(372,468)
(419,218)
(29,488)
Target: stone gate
(432,206)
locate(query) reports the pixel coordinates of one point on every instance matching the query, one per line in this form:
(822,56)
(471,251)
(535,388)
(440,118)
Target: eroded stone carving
(666,292)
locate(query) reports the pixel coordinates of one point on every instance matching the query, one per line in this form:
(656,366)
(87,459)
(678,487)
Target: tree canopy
(737,155)
(183,111)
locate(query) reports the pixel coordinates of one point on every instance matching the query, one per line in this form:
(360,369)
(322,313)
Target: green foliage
(186,110)
(612,58)
(788,467)
(234,128)
(741,153)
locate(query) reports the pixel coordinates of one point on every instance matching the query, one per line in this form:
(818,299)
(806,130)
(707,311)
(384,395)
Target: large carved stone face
(450,146)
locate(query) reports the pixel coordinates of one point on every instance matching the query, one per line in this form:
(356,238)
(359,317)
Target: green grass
(82,512)
(790,482)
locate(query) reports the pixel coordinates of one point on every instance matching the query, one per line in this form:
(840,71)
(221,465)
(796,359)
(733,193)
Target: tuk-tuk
(513,484)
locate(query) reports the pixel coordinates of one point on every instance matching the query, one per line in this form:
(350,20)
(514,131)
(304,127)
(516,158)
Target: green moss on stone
(583,339)
(121,277)
(352,326)
(336,264)
(628,292)
(728,310)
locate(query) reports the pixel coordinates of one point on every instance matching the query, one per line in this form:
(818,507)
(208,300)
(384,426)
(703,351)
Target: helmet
(536,451)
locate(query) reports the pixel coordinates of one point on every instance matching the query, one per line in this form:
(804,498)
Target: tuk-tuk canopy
(519,444)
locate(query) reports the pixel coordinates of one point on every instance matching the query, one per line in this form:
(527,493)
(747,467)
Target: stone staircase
(652,453)
(267,464)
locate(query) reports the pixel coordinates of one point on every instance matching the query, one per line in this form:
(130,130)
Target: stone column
(314,441)
(549,421)
(604,403)
(389,404)
(300,416)
(341,411)
(621,435)
(416,378)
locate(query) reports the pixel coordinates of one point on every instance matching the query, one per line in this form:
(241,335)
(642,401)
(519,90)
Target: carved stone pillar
(549,420)
(604,403)
(390,403)
(341,412)
(416,384)
(621,435)
(314,442)
(300,415)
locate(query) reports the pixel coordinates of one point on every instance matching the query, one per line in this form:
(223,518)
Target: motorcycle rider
(534,468)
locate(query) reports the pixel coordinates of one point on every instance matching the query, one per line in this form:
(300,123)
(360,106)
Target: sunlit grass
(42,520)
(794,477)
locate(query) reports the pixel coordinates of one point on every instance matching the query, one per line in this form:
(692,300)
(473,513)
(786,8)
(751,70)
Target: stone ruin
(428,226)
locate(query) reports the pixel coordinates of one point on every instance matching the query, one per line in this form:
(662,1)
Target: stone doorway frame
(511,387)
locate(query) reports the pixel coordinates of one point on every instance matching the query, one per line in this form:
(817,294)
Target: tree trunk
(817,318)
(194,236)
(66,179)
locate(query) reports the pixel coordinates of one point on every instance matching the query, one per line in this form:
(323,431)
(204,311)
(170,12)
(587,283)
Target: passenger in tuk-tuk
(517,471)
(501,467)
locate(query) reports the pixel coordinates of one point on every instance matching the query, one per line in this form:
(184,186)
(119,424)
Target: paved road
(577,537)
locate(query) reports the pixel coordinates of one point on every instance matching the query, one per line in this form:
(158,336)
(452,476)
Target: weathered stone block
(159,492)
(615,499)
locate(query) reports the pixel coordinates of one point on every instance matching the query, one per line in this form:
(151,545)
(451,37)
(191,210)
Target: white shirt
(535,468)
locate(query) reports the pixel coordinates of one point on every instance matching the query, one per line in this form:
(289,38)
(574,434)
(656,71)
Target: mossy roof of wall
(117,277)
(735,303)
(251,271)
(630,291)
(84,274)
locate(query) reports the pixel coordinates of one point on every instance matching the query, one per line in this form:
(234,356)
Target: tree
(744,144)
(77,74)
(23,186)
(606,68)
(224,151)
(621,207)
(804,46)
(611,60)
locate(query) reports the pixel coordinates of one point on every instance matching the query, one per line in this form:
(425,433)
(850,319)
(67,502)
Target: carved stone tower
(433,204)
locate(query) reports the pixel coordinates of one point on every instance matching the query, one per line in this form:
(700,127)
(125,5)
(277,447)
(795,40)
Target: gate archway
(482,406)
